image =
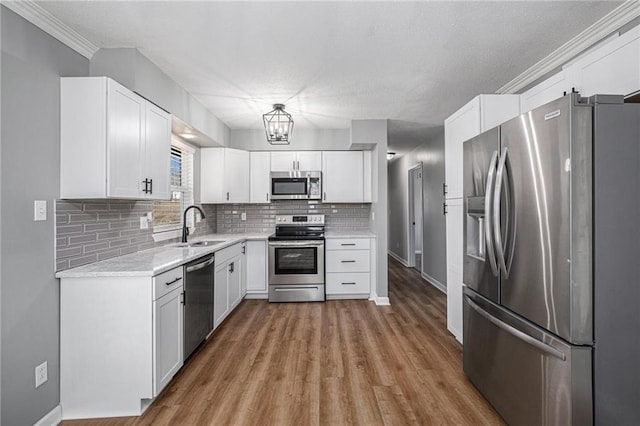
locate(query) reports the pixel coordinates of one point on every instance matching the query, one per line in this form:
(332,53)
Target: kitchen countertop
(349,234)
(147,263)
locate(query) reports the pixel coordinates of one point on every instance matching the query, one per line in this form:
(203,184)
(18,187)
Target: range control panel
(315,219)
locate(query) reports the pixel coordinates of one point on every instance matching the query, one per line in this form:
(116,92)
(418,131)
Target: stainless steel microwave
(296,185)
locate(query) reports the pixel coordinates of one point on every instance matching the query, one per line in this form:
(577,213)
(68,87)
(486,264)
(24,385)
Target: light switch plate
(144,222)
(39,210)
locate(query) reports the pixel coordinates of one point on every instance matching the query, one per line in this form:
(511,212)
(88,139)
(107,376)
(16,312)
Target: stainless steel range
(296,259)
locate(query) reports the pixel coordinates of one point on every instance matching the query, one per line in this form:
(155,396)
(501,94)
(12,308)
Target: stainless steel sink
(204,243)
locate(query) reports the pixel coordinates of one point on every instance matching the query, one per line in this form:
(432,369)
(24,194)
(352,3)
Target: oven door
(289,188)
(296,262)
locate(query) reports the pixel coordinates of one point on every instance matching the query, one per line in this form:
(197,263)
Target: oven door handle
(296,243)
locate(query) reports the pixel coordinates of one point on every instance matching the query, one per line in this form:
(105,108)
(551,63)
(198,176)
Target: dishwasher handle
(201,265)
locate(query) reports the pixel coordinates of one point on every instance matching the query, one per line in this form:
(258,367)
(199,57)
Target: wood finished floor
(332,363)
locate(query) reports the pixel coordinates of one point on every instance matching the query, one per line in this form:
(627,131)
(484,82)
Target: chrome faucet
(185,229)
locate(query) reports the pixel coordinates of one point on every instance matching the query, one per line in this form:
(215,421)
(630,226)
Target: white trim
(398,258)
(166,235)
(614,20)
(437,284)
(256,296)
(53,26)
(382,301)
(53,417)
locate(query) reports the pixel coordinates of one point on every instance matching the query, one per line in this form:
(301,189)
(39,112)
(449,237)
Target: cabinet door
(243,271)
(125,116)
(212,176)
(454,266)
(221,294)
(256,266)
(168,335)
(613,68)
(544,92)
(236,166)
(235,281)
(342,176)
(156,152)
(309,161)
(283,161)
(260,168)
(461,126)
(496,109)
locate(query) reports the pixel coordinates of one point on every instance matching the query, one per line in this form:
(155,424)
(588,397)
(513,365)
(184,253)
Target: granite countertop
(349,234)
(147,263)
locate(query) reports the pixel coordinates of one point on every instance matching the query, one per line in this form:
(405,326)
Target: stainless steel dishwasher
(198,302)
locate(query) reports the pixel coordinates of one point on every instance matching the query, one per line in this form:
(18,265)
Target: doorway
(414,219)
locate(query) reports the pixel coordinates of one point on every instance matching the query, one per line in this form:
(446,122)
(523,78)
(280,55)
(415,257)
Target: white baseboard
(437,284)
(398,258)
(382,301)
(256,296)
(52,418)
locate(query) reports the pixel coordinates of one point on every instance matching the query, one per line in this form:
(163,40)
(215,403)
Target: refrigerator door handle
(543,347)
(488,192)
(510,224)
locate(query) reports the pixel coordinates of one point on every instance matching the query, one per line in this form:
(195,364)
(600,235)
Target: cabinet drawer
(347,283)
(347,243)
(228,253)
(347,260)
(167,281)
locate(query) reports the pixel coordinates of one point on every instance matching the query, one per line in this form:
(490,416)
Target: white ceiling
(331,62)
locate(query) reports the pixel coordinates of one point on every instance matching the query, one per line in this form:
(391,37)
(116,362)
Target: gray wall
(32,63)
(366,134)
(431,154)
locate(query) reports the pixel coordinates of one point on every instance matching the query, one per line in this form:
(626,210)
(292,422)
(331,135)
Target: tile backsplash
(88,231)
(91,230)
(261,217)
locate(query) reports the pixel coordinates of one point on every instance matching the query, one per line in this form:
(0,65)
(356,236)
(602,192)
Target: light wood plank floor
(332,363)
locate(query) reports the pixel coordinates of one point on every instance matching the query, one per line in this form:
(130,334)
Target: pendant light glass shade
(278,125)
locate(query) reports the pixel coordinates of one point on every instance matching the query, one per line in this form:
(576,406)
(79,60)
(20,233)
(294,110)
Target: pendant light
(278,125)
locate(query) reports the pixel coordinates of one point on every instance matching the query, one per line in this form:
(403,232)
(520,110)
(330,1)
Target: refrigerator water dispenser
(475,228)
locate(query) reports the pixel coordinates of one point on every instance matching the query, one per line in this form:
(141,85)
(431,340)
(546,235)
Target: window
(167,215)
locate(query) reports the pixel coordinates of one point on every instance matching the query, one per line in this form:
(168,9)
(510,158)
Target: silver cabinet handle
(510,224)
(173,281)
(348,283)
(488,192)
(232,267)
(324,196)
(550,350)
(204,264)
(296,243)
(267,196)
(444,189)
(348,261)
(227,196)
(348,244)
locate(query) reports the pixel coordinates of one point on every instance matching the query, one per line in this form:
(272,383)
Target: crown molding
(602,28)
(48,23)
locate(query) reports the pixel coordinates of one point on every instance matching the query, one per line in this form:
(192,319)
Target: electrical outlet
(144,222)
(41,374)
(40,210)
(243,216)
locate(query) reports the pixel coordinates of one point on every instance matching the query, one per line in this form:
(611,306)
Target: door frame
(411,258)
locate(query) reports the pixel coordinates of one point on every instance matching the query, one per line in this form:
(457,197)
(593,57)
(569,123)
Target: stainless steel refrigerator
(551,265)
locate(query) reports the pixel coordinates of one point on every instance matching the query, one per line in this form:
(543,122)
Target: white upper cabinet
(224,175)
(284,161)
(236,175)
(343,176)
(260,168)
(482,113)
(113,143)
(613,68)
(544,92)
(156,152)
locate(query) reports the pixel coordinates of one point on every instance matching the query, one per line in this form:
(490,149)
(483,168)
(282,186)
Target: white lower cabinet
(228,282)
(257,269)
(120,342)
(348,268)
(168,313)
